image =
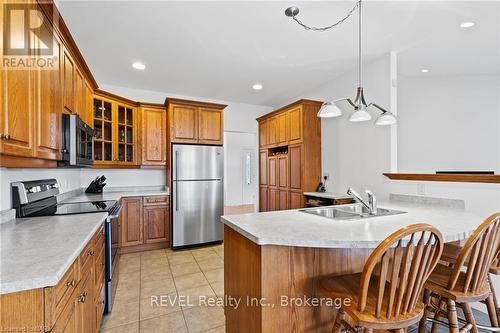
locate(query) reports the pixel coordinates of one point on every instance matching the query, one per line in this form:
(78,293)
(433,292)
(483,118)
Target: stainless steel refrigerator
(198,194)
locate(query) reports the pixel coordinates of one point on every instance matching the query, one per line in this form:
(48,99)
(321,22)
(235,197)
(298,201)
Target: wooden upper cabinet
(273,131)
(210,125)
(89,105)
(195,122)
(282,128)
(48,109)
(18,98)
(184,124)
(131,222)
(296,125)
(68,68)
(263,133)
(154,136)
(80,95)
(126,134)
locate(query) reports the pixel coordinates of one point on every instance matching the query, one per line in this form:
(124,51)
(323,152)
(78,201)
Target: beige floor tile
(130,266)
(214,275)
(128,328)
(127,292)
(171,323)
(123,313)
(159,274)
(157,287)
(201,318)
(183,269)
(220,329)
(159,305)
(218,288)
(179,253)
(195,297)
(209,264)
(154,260)
(135,276)
(130,256)
(153,253)
(179,260)
(205,255)
(156,266)
(190,281)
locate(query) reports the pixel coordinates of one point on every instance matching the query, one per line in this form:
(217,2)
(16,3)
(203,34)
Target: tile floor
(186,280)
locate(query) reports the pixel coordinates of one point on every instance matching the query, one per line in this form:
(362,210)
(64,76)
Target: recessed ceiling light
(466,25)
(424,70)
(257,86)
(139,65)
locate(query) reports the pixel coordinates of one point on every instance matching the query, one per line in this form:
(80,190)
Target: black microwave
(77,142)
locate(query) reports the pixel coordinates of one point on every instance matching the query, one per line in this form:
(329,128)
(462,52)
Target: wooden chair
(391,298)
(464,280)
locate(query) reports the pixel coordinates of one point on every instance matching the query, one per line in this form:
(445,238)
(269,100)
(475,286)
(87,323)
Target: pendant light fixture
(359,106)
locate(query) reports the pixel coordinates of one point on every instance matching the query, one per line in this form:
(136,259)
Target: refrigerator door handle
(177,179)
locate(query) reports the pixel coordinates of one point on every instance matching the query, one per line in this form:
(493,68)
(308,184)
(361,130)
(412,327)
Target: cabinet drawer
(86,257)
(100,266)
(156,200)
(99,240)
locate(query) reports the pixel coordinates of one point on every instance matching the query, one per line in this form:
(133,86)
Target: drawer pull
(71,283)
(82,297)
(90,253)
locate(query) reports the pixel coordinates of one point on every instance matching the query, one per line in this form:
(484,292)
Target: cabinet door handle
(90,253)
(177,180)
(71,283)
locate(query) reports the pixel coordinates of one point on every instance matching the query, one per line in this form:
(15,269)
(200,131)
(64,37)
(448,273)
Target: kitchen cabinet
(263,199)
(68,82)
(293,151)
(66,307)
(87,116)
(48,109)
(195,122)
(131,222)
(79,94)
(154,136)
(210,125)
(115,132)
(145,223)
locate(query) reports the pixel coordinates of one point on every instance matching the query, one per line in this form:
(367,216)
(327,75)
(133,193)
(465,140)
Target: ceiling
(218,50)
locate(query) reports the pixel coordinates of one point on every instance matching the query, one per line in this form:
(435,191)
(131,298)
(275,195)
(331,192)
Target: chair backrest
(405,260)
(478,254)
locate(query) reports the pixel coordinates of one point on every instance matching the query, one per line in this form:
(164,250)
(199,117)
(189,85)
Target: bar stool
(452,285)
(390,299)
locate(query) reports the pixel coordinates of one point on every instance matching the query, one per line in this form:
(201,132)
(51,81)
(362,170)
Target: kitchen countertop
(295,228)
(36,252)
(114,195)
(328,195)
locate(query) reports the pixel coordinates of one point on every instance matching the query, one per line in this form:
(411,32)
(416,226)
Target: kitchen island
(273,261)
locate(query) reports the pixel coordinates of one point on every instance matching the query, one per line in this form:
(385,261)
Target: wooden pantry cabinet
(145,223)
(195,122)
(290,155)
(75,304)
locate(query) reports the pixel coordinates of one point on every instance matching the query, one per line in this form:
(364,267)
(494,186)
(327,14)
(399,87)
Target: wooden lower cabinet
(296,200)
(263,199)
(273,199)
(145,223)
(283,200)
(66,307)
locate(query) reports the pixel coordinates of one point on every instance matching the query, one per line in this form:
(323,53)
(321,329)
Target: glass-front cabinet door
(103,131)
(126,134)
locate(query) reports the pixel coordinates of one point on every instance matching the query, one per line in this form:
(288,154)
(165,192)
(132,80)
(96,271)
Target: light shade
(386,118)
(360,115)
(329,110)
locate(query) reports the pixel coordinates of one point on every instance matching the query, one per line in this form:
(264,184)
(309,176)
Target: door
(125,140)
(272,171)
(85,305)
(89,102)
(154,123)
(156,226)
(263,133)
(282,133)
(131,222)
(68,82)
(263,167)
(273,131)
(272,201)
(197,162)
(18,96)
(184,122)
(48,109)
(210,125)
(197,208)
(295,155)
(283,171)
(263,198)
(295,119)
(296,200)
(283,200)
(80,95)
(104,131)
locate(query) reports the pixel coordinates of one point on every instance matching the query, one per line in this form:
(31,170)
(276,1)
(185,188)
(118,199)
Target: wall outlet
(420,188)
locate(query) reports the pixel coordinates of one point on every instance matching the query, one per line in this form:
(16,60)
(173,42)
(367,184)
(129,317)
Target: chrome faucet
(371,205)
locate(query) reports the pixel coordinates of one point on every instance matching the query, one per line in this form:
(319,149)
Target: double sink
(350,212)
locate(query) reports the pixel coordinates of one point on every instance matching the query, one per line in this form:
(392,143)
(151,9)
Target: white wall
(356,154)
(448,123)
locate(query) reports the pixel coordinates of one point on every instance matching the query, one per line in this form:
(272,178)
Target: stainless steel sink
(349,212)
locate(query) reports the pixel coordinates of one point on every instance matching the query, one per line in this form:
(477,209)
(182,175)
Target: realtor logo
(28,39)
(25,31)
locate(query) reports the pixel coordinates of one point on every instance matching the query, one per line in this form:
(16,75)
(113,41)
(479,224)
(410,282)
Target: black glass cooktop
(76,208)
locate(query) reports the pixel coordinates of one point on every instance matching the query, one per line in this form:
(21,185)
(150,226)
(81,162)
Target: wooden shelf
(458,178)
